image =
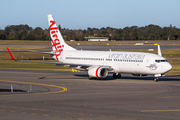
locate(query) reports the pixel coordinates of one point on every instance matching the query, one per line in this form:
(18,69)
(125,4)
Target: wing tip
(159,51)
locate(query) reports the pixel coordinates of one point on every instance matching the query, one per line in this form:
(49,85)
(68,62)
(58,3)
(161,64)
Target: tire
(116,76)
(156,79)
(91,78)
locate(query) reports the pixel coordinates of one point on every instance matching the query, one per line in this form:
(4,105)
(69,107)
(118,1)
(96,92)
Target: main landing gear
(92,78)
(116,76)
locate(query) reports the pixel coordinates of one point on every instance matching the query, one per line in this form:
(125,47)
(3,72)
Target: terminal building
(96,38)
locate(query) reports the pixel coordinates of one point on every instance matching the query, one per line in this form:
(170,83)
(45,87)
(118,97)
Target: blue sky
(80,14)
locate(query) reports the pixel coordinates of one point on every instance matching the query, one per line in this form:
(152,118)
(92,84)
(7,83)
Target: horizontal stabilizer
(50,53)
(12,57)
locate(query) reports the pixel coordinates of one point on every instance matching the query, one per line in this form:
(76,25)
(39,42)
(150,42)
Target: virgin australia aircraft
(99,63)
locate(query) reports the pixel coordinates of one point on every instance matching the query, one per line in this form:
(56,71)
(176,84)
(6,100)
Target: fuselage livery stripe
(97,72)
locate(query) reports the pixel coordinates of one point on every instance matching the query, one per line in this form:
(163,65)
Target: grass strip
(9,64)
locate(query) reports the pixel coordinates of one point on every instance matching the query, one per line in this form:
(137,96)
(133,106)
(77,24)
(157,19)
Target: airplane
(99,63)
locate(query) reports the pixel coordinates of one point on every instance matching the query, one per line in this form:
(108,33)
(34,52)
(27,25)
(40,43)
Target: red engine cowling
(98,72)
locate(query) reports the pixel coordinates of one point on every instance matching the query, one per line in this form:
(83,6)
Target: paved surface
(104,47)
(66,95)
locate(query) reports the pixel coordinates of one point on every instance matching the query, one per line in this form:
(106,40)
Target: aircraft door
(147,62)
(161,66)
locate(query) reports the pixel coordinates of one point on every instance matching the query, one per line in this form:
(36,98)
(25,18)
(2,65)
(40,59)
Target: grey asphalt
(129,98)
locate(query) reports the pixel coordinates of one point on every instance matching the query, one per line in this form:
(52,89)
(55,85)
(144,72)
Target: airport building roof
(97,38)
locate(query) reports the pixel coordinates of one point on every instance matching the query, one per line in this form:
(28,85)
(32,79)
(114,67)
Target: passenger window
(157,61)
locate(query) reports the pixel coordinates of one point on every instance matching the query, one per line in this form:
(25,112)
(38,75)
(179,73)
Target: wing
(85,66)
(50,53)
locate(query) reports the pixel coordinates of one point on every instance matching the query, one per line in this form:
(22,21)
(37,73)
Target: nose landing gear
(156,79)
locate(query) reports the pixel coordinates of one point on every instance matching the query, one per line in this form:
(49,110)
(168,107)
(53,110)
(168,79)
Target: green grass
(25,56)
(24,42)
(21,47)
(9,64)
(175,67)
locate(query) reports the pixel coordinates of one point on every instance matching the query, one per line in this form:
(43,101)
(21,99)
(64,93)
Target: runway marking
(80,118)
(160,110)
(34,114)
(23,113)
(68,117)
(45,115)
(13,111)
(169,97)
(64,89)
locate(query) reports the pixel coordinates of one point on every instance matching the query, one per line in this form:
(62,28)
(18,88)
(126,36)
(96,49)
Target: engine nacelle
(98,72)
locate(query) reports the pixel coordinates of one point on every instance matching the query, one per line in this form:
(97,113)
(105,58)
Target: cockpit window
(158,61)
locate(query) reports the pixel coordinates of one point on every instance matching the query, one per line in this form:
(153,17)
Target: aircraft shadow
(100,79)
(129,77)
(170,78)
(123,77)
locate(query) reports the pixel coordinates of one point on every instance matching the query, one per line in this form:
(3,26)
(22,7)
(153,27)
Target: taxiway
(67,95)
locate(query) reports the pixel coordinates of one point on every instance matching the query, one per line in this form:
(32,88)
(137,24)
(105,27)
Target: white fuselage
(99,63)
(121,62)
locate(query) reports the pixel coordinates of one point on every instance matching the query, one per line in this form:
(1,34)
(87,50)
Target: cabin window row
(77,58)
(121,60)
(108,59)
(158,61)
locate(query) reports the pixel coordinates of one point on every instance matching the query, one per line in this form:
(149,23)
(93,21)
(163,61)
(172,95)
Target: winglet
(159,51)
(12,57)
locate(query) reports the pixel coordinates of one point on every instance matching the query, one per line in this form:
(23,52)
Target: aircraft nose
(169,67)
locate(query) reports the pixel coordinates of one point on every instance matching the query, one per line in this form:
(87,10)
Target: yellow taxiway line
(160,110)
(64,89)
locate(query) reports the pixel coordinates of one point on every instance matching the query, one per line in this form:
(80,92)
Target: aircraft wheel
(156,79)
(91,78)
(119,75)
(116,76)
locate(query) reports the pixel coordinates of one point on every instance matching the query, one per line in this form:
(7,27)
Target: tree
(2,36)
(149,32)
(59,27)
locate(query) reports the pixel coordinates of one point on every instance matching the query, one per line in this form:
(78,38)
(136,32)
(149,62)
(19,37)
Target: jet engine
(97,72)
